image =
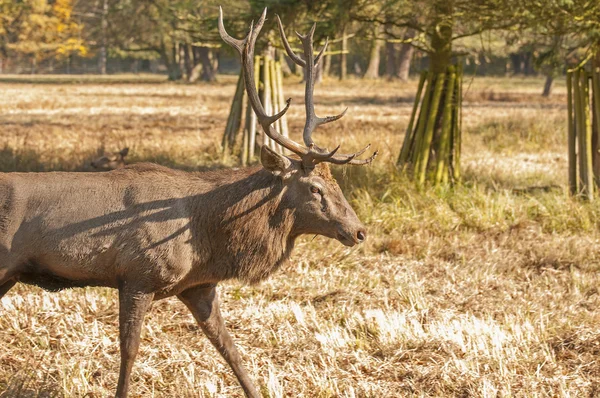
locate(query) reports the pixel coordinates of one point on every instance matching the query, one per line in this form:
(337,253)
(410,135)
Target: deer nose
(361,235)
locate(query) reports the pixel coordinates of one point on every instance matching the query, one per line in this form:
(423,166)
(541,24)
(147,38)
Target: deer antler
(310,63)
(311,154)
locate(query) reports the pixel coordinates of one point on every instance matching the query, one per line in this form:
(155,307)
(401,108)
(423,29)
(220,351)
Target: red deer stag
(152,232)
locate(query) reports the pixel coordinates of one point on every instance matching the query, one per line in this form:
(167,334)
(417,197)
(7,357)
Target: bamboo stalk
(239,107)
(422,120)
(409,136)
(572,138)
(453,128)
(224,140)
(284,124)
(443,152)
(586,169)
(233,121)
(244,156)
(424,149)
(457,128)
(269,81)
(578,129)
(275,99)
(253,120)
(266,96)
(446,173)
(596,119)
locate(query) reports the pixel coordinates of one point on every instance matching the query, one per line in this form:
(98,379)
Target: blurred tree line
(368,38)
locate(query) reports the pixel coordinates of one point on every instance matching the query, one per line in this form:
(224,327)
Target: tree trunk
(595,90)
(390,60)
(188,60)
(405,56)
(528,69)
(344,59)
(390,55)
(104,27)
(169,57)
(548,85)
(375,55)
(180,57)
(154,66)
(441,39)
(197,69)
(208,73)
(214,61)
(319,73)
(326,65)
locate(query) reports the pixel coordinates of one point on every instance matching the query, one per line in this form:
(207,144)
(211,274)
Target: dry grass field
(487,289)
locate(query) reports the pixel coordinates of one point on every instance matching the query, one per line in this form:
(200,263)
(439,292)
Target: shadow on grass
(22,160)
(82,79)
(25,385)
(142,79)
(364,100)
(26,160)
(533,184)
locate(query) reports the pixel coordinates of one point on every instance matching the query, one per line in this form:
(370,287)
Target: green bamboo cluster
(583,107)
(242,119)
(431,147)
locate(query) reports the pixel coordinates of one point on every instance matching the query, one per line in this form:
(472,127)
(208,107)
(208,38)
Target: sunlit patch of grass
(487,288)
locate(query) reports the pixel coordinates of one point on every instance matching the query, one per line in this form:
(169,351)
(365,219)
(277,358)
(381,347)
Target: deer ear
(274,162)
(124,151)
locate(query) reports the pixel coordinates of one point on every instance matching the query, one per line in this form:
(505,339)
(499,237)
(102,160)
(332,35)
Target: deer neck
(248,224)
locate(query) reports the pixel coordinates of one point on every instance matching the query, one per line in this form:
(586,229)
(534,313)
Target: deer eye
(314,189)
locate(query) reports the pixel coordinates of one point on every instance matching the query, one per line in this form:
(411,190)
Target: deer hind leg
(204,305)
(133,305)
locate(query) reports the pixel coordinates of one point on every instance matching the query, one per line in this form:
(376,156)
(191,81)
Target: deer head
(318,201)
(110,160)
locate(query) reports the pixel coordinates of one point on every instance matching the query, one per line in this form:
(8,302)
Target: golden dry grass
(486,289)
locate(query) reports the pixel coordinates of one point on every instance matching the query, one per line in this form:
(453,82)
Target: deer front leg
(204,305)
(133,305)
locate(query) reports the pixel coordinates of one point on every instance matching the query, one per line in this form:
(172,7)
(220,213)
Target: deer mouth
(346,239)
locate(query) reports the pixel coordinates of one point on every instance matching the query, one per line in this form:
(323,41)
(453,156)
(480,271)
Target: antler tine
(233,42)
(255,30)
(364,161)
(317,157)
(353,161)
(246,50)
(297,60)
(312,120)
